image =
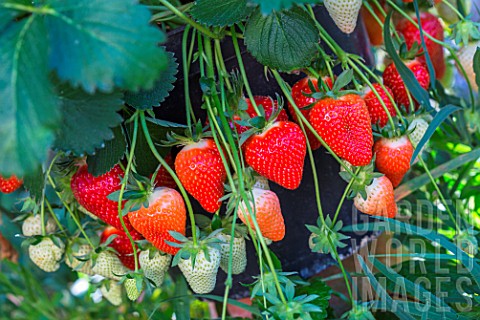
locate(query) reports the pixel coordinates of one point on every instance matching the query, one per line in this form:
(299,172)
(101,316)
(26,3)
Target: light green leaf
(285,40)
(87,120)
(103,44)
(29,109)
(146,99)
(220,12)
(268,6)
(104,159)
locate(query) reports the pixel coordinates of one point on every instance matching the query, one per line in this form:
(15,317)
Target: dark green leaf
(181,305)
(236,303)
(145,161)
(34,183)
(29,111)
(284,40)
(436,122)
(87,119)
(100,44)
(165,123)
(268,6)
(146,99)
(407,75)
(382,293)
(104,159)
(220,12)
(476,66)
(318,287)
(431,70)
(7,14)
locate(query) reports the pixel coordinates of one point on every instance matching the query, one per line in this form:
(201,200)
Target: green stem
(189,21)
(74,217)
(54,216)
(172,173)
(344,273)
(344,196)
(455,10)
(186,71)
(242,70)
(124,184)
(219,56)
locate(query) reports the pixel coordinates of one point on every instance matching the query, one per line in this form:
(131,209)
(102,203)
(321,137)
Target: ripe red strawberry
(393,157)
(392,79)
(431,25)
(278,153)
(344,124)
(8,185)
(163,178)
(166,212)
(121,244)
(268,104)
(200,169)
(380,199)
(375,108)
(300,90)
(267,213)
(92,192)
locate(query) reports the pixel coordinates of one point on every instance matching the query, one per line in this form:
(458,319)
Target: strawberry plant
(148,148)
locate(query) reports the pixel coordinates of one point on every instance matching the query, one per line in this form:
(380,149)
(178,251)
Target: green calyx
(364,178)
(326,237)
(465,30)
(190,250)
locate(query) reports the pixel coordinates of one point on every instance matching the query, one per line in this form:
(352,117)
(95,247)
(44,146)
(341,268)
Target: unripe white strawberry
(32,226)
(113,294)
(132,290)
(344,13)
(465,56)
(109,266)
(203,277)
(239,253)
(46,255)
(156,267)
(417,127)
(77,264)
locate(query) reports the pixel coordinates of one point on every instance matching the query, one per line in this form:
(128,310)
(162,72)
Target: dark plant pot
(298,206)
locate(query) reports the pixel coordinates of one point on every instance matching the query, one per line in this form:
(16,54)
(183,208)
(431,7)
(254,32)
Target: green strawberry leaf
(104,159)
(146,99)
(29,109)
(97,44)
(420,94)
(220,13)
(284,40)
(476,66)
(267,6)
(431,70)
(436,122)
(87,119)
(34,183)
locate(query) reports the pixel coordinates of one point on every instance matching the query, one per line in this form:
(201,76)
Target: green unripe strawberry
(46,255)
(132,289)
(156,266)
(32,226)
(203,276)
(239,253)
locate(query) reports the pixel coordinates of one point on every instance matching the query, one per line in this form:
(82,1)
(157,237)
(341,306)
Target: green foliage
(87,119)
(146,99)
(476,66)
(284,40)
(29,109)
(221,12)
(105,158)
(267,6)
(35,183)
(113,59)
